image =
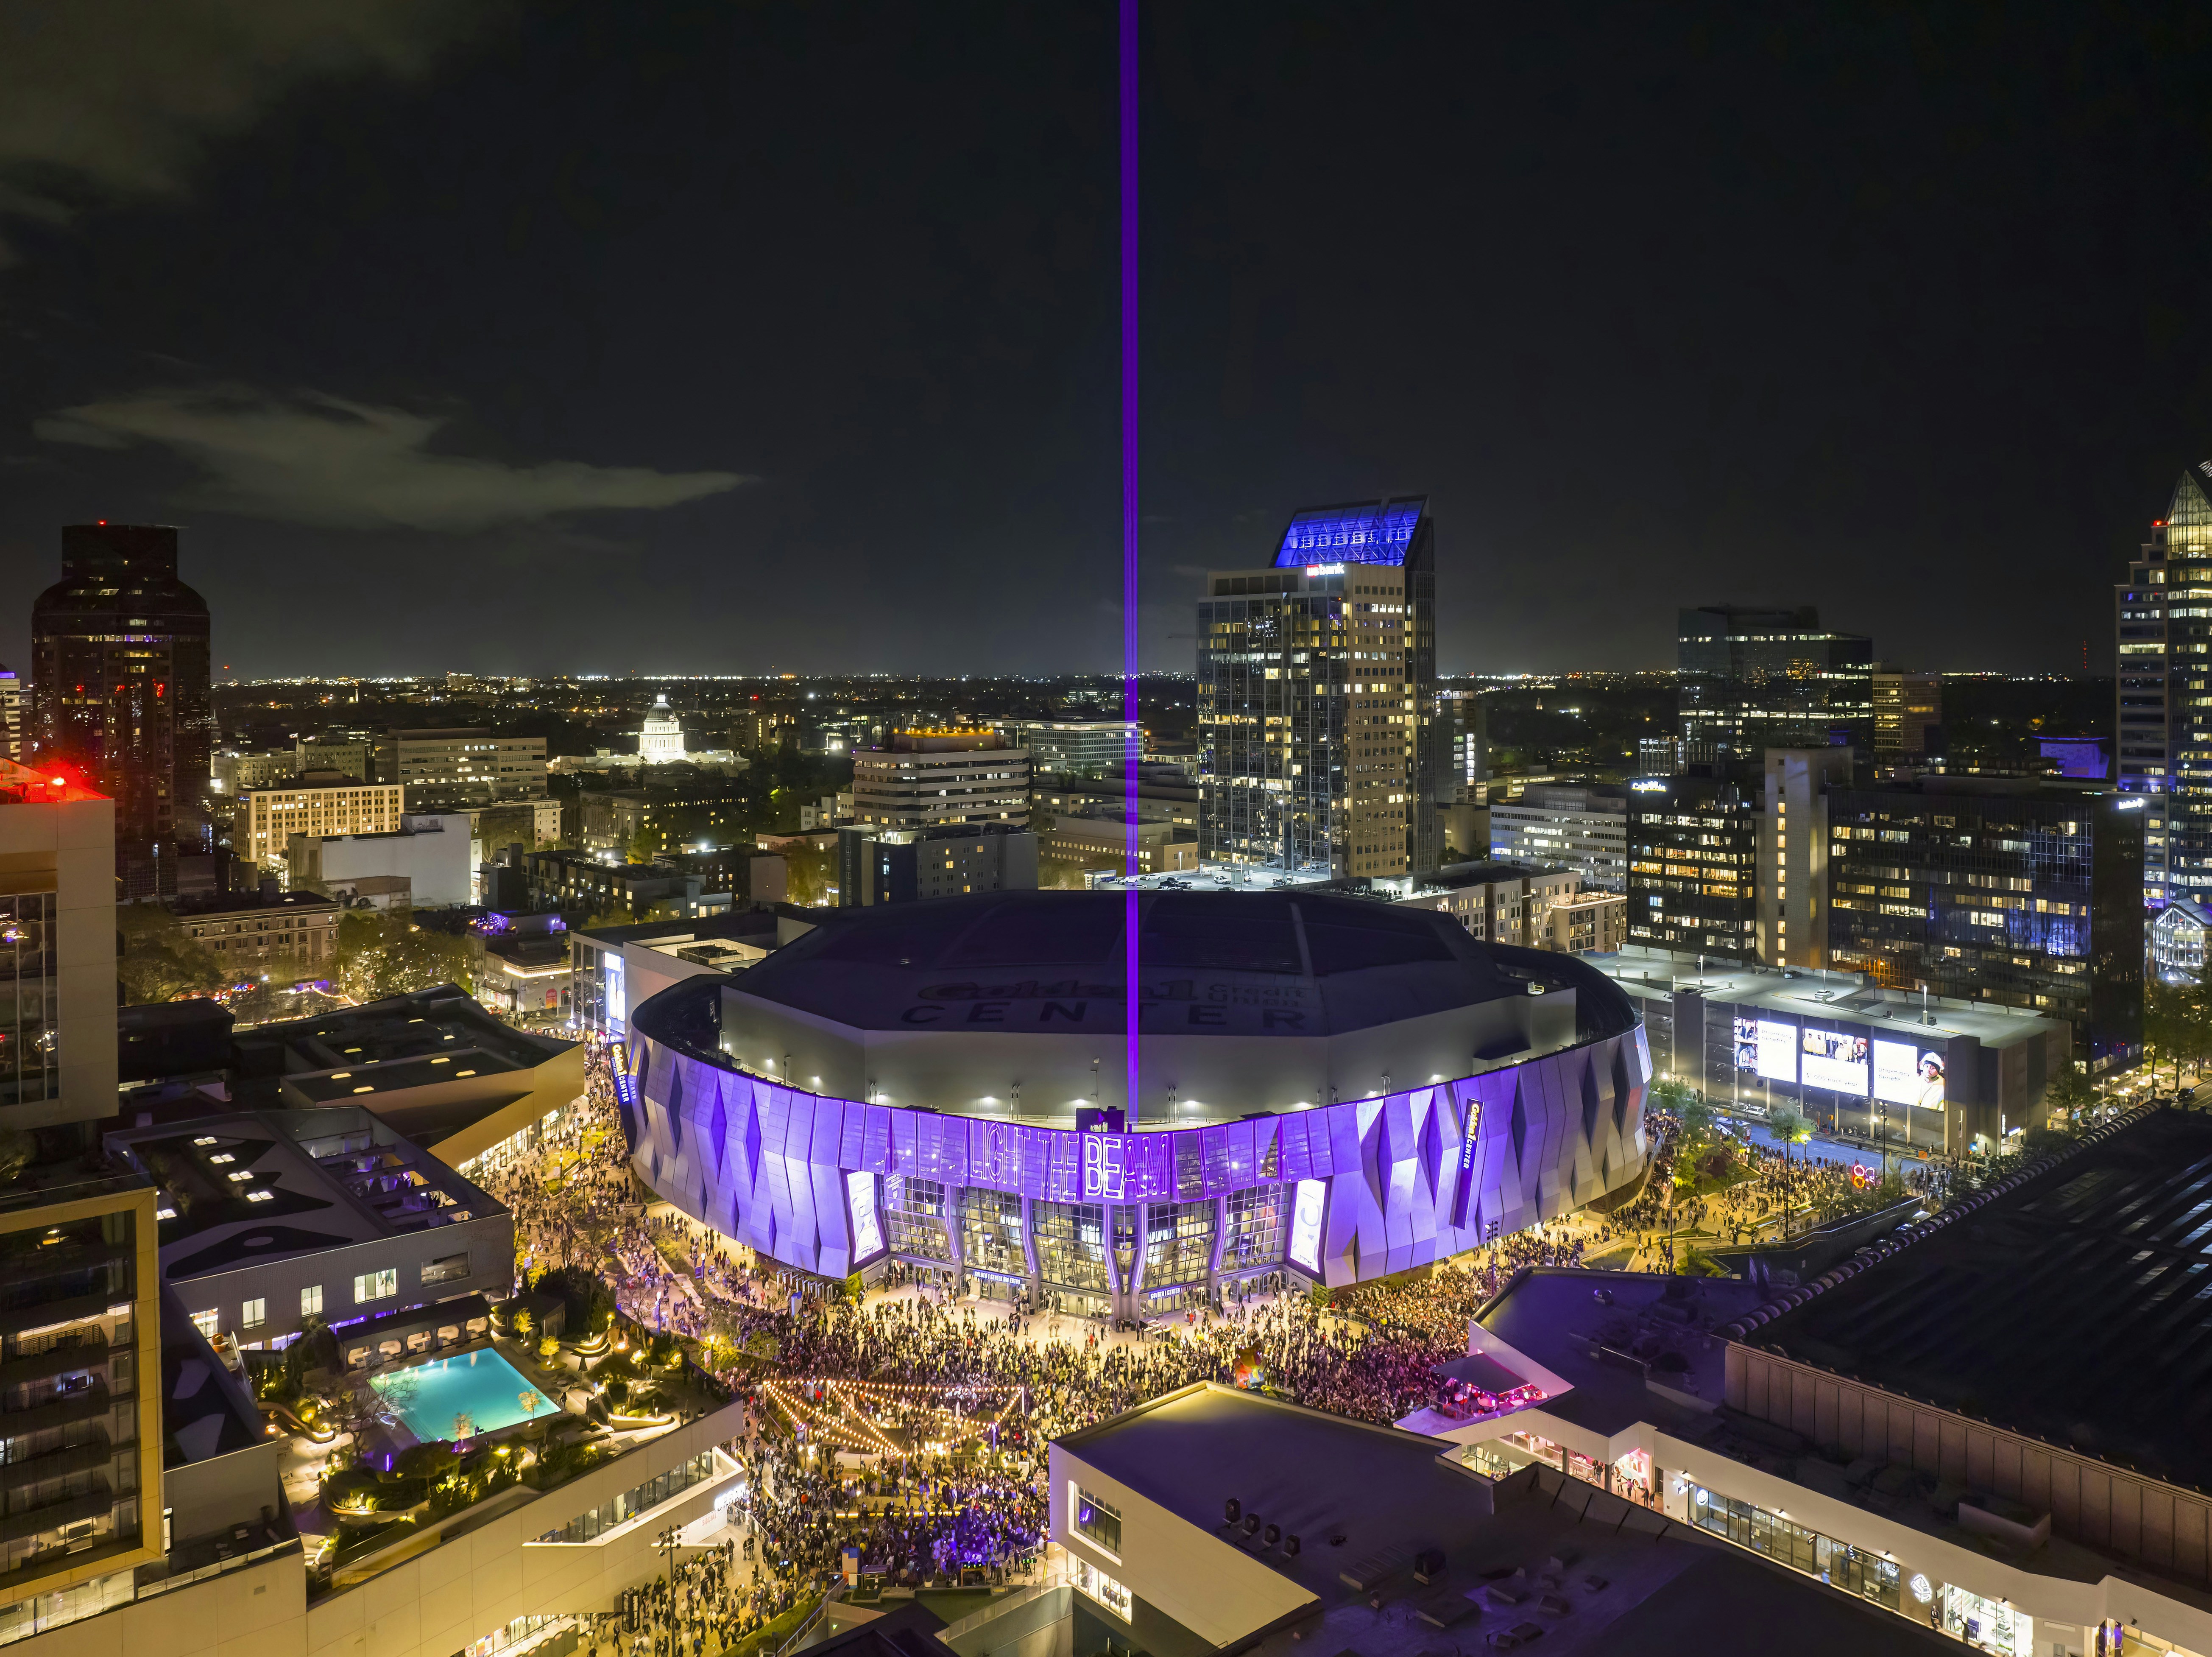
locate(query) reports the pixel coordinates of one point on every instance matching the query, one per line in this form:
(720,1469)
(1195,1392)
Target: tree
(383,953)
(644,844)
(810,874)
(2070,1092)
(1789,1127)
(2174,1022)
(160,960)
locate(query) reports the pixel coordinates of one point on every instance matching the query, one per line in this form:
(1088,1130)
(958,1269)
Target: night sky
(662,337)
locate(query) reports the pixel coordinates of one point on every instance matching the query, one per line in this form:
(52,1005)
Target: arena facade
(943,1048)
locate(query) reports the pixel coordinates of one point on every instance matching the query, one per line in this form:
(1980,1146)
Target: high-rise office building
(1755,680)
(119,692)
(927,779)
(57,951)
(2163,716)
(1692,866)
(1997,889)
(1316,681)
(11,714)
(1792,864)
(1578,827)
(1908,709)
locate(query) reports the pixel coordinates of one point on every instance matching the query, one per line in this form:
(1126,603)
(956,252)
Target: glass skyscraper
(1755,680)
(119,692)
(1316,679)
(2163,716)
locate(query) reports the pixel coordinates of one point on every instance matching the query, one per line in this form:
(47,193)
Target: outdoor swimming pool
(460,1397)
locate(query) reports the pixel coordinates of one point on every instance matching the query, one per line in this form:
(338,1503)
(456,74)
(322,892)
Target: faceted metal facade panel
(767,1164)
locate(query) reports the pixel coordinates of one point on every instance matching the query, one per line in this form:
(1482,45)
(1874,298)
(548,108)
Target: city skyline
(459,310)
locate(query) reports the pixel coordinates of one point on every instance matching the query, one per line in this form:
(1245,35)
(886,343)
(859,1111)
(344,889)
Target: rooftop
(1604,1332)
(1357,963)
(1811,993)
(1353,531)
(259,1185)
(1632,1581)
(2013,1312)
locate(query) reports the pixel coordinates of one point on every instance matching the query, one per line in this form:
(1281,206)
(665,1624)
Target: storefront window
(1856,1570)
(1989,1625)
(1102,1588)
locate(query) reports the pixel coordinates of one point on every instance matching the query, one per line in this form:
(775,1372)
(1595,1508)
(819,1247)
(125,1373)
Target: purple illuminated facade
(1362,532)
(1132,1222)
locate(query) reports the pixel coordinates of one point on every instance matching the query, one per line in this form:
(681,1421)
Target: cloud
(314,458)
(104,100)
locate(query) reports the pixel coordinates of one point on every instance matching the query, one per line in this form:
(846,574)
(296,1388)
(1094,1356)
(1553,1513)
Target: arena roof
(2075,1307)
(1348,963)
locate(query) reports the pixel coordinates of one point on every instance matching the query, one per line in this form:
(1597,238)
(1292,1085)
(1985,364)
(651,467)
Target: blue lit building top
(1356,532)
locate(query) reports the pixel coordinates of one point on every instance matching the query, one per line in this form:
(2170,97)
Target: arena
(1325,1087)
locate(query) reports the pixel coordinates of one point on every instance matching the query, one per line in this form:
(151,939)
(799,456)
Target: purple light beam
(1129,864)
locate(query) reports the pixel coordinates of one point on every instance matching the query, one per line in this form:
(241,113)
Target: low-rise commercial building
(898,866)
(1502,903)
(1875,1063)
(236,774)
(707,811)
(270,1220)
(1163,794)
(1097,843)
(577,884)
(1906,1428)
(614,968)
(1076,748)
(423,862)
(2177,935)
(1213,1520)
(265,931)
(441,770)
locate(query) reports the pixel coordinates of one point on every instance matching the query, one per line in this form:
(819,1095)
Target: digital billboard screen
(1777,1046)
(1747,1046)
(1905,1073)
(1305,1225)
(861,1200)
(1837,1060)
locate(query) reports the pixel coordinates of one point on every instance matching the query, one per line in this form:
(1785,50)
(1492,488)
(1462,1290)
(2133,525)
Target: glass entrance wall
(915,1211)
(1070,1245)
(1254,1237)
(991,1232)
(1178,1243)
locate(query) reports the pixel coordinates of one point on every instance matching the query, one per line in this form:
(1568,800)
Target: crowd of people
(940,1491)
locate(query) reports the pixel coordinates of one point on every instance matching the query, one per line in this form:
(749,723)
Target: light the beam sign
(1101,1168)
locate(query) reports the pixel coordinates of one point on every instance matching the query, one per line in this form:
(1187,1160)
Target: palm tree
(1789,1128)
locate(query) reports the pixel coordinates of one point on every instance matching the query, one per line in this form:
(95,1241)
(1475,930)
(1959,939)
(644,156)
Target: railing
(790,1643)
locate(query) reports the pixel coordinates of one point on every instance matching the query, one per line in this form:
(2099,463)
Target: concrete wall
(255,1611)
(2092,1502)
